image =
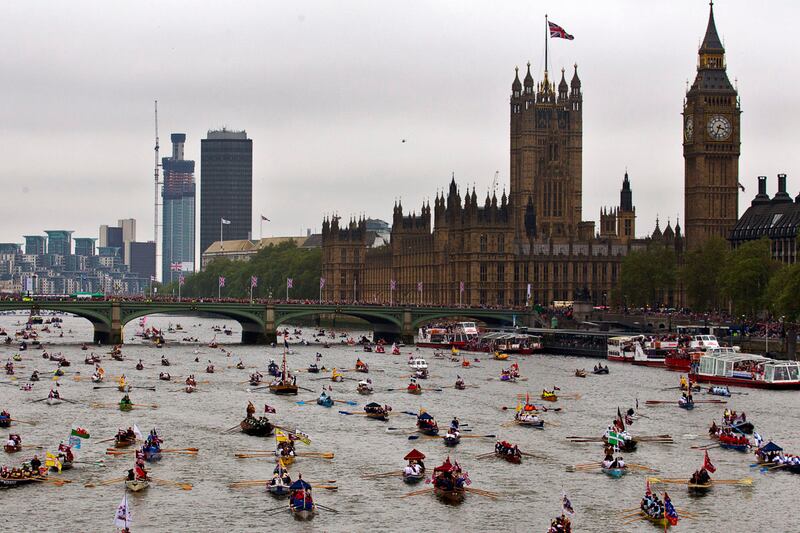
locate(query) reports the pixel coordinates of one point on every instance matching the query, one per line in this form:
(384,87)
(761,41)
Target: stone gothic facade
(532,246)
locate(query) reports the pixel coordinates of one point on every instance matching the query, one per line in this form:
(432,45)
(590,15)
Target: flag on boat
(51,461)
(460,286)
(529,291)
(419,286)
(614,438)
(221,281)
(137,432)
(758,438)
(647,487)
(181,280)
(223,221)
(566,505)
(289,283)
(268,409)
(175,267)
(707,464)
(265,218)
(76,436)
(123,517)
(392,285)
(253,281)
(669,510)
(558,32)
(302,437)
(321,283)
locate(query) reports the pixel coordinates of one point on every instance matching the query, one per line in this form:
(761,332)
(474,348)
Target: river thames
(530,492)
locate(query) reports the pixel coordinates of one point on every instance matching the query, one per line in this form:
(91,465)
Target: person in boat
(608,461)
(251,409)
(455,424)
(560,524)
(54,394)
(65,453)
(700,477)
(191,380)
(652,505)
(35,375)
(126,400)
(139,365)
(35,463)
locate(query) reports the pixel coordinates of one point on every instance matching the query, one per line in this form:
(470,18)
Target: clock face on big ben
(719,128)
(688,128)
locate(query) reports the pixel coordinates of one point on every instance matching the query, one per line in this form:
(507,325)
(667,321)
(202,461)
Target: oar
(184,486)
(348,402)
(145,388)
(106,482)
(326,508)
(237,426)
(417,492)
(106,440)
(326,487)
(352,413)
(478,436)
(24,421)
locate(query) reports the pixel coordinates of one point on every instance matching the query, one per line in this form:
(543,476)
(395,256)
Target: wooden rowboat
(513,459)
(12,449)
(700,488)
(137,485)
(452,496)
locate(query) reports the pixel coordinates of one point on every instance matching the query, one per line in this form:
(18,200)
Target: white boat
(418,363)
(620,349)
(727,367)
(137,485)
(53,401)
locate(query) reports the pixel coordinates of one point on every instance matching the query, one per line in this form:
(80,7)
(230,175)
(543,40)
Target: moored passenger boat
(725,367)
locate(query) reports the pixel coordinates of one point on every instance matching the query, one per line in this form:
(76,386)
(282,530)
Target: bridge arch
(100,318)
(386,324)
(251,318)
(423,318)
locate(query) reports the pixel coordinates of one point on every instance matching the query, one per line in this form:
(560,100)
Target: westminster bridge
(260,321)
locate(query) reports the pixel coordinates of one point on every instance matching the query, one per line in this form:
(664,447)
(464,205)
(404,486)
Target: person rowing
(700,477)
(191,380)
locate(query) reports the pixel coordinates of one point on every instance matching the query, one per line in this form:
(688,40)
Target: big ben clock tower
(711,143)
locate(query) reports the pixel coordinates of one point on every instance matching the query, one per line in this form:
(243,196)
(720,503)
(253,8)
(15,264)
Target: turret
(575,84)
(516,86)
(626,195)
(529,81)
(563,88)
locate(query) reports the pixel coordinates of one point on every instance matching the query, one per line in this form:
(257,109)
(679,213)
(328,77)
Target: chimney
(781,183)
(781,196)
(762,185)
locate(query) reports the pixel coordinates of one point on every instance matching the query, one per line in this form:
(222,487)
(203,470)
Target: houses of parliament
(533,246)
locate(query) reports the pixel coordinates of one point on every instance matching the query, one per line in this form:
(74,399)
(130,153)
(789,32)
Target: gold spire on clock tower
(711,144)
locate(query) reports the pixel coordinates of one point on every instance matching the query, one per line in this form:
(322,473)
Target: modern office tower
(35,245)
(59,241)
(84,246)
(141,258)
(226,186)
(178,194)
(111,237)
(128,226)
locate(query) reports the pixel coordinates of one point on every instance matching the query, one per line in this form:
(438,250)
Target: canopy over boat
(414,455)
(770,447)
(373,405)
(425,416)
(300,484)
(447,466)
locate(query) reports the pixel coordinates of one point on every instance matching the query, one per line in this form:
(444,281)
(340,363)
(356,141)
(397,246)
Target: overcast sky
(328,89)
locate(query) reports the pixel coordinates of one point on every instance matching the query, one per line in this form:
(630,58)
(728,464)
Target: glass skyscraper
(226,186)
(178,193)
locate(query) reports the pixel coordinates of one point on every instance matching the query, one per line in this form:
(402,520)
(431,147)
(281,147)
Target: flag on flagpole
(321,283)
(176,267)
(567,505)
(707,464)
(223,221)
(123,518)
(289,283)
(558,32)
(460,286)
(265,218)
(51,461)
(647,490)
(76,436)
(253,281)
(221,281)
(268,409)
(669,510)
(419,286)
(181,280)
(392,285)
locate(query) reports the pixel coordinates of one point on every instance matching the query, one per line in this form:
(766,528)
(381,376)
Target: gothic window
(483,275)
(501,297)
(356,255)
(482,296)
(516,271)
(344,255)
(501,272)
(483,243)
(501,243)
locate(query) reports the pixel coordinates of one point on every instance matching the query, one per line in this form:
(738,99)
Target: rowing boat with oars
(448,482)
(256,427)
(377,411)
(16,477)
(137,485)
(549,396)
(283,385)
(415,472)
(301,503)
(615,473)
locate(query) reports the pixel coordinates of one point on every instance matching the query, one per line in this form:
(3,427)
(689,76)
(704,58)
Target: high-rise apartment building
(84,246)
(35,245)
(226,186)
(59,241)
(128,226)
(178,194)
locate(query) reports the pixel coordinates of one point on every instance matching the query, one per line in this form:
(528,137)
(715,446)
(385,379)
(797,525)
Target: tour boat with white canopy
(729,367)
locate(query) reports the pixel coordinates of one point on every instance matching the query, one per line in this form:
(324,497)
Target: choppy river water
(530,492)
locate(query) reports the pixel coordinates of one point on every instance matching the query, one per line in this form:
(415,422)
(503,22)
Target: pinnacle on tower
(528,80)
(711,41)
(516,86)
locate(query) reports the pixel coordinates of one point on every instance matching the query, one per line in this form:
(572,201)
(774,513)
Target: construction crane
(494,182)
(157,164)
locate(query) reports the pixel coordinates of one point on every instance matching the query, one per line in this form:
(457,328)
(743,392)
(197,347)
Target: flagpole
(546,32)
(179,289)
(219,290)
(251,292)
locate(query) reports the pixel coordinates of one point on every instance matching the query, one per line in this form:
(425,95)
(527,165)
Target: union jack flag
(321,283)
(419,286)
(392,285)
(181,280)
(289,283)
(175,267)
(253,281)
(460,286)
(221,281)
(557,32)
